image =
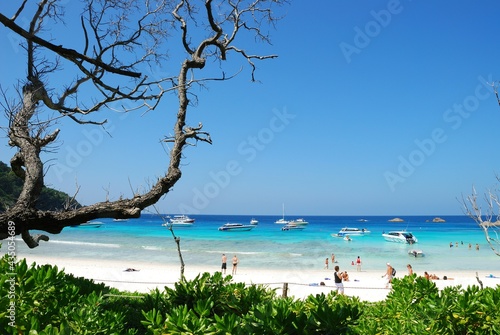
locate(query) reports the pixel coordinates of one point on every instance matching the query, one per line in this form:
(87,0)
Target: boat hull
(89,225)
(236,227)
(352,232)
(400,237)
(288,227)
(299,222)
(181,220)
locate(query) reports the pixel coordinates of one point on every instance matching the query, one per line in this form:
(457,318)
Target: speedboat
(181,220)
(254,221)
(236,227)
(89,224)
(352,231)
(290,226)
(400,237)
(299,222)
(416,253)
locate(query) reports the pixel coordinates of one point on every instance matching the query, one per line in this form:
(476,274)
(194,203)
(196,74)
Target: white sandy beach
(367,285)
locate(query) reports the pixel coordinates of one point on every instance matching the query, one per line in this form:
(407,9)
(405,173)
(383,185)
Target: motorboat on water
(415,253)
(120,220)
(400,236)
(290,226)
(299,222)
(181,220)
(89,224)
(236,227)
(254,221)
(352,231)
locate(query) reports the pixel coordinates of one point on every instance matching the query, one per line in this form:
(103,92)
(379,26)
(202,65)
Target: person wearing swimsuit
(338,280)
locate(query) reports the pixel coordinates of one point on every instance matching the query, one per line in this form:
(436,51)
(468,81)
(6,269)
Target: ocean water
(267,246)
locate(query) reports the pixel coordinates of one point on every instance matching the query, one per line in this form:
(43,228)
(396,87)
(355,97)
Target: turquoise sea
(267,246)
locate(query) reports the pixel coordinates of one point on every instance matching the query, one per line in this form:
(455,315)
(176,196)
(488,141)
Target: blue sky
(371,108)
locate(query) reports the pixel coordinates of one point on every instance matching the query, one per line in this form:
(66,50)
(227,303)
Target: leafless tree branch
(121,39)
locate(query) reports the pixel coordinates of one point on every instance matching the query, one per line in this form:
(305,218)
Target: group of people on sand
(434,277)
(235,261)
(390,273)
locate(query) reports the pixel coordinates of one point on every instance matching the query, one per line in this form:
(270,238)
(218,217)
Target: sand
(366,285)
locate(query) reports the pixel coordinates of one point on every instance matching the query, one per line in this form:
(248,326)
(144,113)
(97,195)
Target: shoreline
(367,285)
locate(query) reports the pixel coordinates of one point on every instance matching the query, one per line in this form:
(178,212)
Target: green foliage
(11,186)
(49,302)
(333,314)
(416,306)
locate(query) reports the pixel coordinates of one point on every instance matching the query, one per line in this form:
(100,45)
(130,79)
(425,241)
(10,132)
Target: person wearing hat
(388,273)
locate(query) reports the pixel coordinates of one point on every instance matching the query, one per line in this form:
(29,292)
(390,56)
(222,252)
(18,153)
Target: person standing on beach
(338,279)
(235,264)
(326,263)
(388,274)
(224,263)
(410,269)
(358,264)
(333,258)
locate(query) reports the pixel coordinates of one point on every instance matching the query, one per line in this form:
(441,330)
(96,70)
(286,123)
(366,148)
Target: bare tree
(121,38)
(488,220)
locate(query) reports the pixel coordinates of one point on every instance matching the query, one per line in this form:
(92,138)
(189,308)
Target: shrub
(48,301)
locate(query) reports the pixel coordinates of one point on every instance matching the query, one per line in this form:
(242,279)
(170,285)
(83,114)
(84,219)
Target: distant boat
(254,221)
(299,222)
(181,220)
(236,227)
(282,220)
(400,237)
(90,224)
(352,231)
(120,220)
(290,226)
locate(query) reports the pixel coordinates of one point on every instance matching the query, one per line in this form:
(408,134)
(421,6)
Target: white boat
(90,224)
(416,253)
(254,221)
(282,220)
(120,220)
(352,231)
(299,222)
(181,220)
(400,236)
(290,226)
(236,227)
